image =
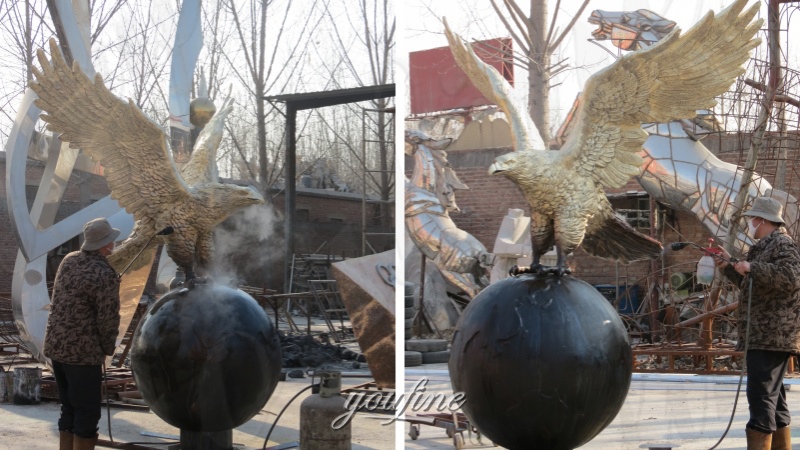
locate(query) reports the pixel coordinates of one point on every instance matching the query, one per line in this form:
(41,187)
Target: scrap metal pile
(301,351)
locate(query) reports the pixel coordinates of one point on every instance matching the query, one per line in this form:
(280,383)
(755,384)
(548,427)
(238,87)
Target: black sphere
(206,358)
(544,362)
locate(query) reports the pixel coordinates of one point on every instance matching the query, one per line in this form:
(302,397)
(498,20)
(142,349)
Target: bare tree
(265,65)
(373,30)
(142,60)
(537,40)
(24,27)
(239,146)
(218,37)
(103,12)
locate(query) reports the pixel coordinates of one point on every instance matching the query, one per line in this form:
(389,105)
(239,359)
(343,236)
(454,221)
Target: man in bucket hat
(773,267)
(81,331)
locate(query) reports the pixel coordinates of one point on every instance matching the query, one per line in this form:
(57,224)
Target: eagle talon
(517,270)
(190,279)
(557,271)
(520,270)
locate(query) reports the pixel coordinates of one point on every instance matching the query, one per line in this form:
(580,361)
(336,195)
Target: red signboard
(438,84)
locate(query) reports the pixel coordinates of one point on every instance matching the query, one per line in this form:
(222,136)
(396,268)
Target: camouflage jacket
(84,312)
(775,305)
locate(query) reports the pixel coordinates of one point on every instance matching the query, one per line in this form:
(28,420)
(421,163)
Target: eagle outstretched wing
(131,148)
(668,81)
(494,87)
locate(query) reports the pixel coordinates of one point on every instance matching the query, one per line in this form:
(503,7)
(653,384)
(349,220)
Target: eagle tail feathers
(615,239)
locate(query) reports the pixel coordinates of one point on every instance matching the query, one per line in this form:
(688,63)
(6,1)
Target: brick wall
(330,223)
(489,197)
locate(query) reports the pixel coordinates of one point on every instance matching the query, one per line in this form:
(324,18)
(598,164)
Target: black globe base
(206,440)
(206,358)
(544,362)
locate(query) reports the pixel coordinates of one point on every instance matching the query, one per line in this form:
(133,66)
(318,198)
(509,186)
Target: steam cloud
(246,244)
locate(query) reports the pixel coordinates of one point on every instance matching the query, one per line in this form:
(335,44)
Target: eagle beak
(255,196)
(495,168)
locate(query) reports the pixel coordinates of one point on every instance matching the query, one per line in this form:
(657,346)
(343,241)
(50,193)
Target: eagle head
(241,196)
(228,198)
(507,165)
(521,166)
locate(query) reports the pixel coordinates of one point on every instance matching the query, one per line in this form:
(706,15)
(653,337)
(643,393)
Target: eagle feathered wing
(114,133)
(668,81)
(494,87)
(132,149)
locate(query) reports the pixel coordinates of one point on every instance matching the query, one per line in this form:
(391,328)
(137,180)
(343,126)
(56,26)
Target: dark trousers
(79,394)
(765,393)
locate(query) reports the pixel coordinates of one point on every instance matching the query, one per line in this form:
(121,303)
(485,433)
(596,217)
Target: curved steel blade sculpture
(36,230)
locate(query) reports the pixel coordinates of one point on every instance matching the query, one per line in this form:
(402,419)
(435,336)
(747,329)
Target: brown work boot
(65,440)
(756,440)
(82,443)
(782,439)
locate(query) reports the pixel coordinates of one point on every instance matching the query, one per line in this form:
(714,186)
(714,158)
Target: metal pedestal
(206,440)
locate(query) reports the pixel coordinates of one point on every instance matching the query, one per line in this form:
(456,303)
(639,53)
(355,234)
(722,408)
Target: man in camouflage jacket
(81,331)
(773,266)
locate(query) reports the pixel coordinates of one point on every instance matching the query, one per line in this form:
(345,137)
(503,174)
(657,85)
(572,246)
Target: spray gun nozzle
(709,251)
(676,246)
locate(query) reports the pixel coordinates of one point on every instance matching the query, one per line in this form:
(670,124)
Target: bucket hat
(98,233)
(766,208)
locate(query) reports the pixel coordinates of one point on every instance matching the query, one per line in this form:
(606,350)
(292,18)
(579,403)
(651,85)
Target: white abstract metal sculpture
(188,43)
(512,247)
(36,230)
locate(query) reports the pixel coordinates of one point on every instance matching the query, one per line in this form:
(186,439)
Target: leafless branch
(523,44)
(569,26)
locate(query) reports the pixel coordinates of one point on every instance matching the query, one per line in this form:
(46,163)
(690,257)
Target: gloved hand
(739,345)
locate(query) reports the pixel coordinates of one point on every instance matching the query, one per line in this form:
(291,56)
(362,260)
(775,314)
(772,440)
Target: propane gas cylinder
(319,411)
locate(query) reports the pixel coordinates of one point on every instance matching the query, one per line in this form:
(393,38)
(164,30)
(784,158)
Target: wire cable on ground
(108,417)
(281,413)
(741,374)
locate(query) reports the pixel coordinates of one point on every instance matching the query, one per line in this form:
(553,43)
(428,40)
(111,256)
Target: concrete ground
(689,411)
(33,427)
(683,410)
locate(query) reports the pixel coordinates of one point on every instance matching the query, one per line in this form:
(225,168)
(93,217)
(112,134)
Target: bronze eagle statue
(668,81)
(138,166)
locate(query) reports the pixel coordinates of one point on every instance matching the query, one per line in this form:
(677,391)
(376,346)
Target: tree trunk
(261,122)
(539,73)
(261,115)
